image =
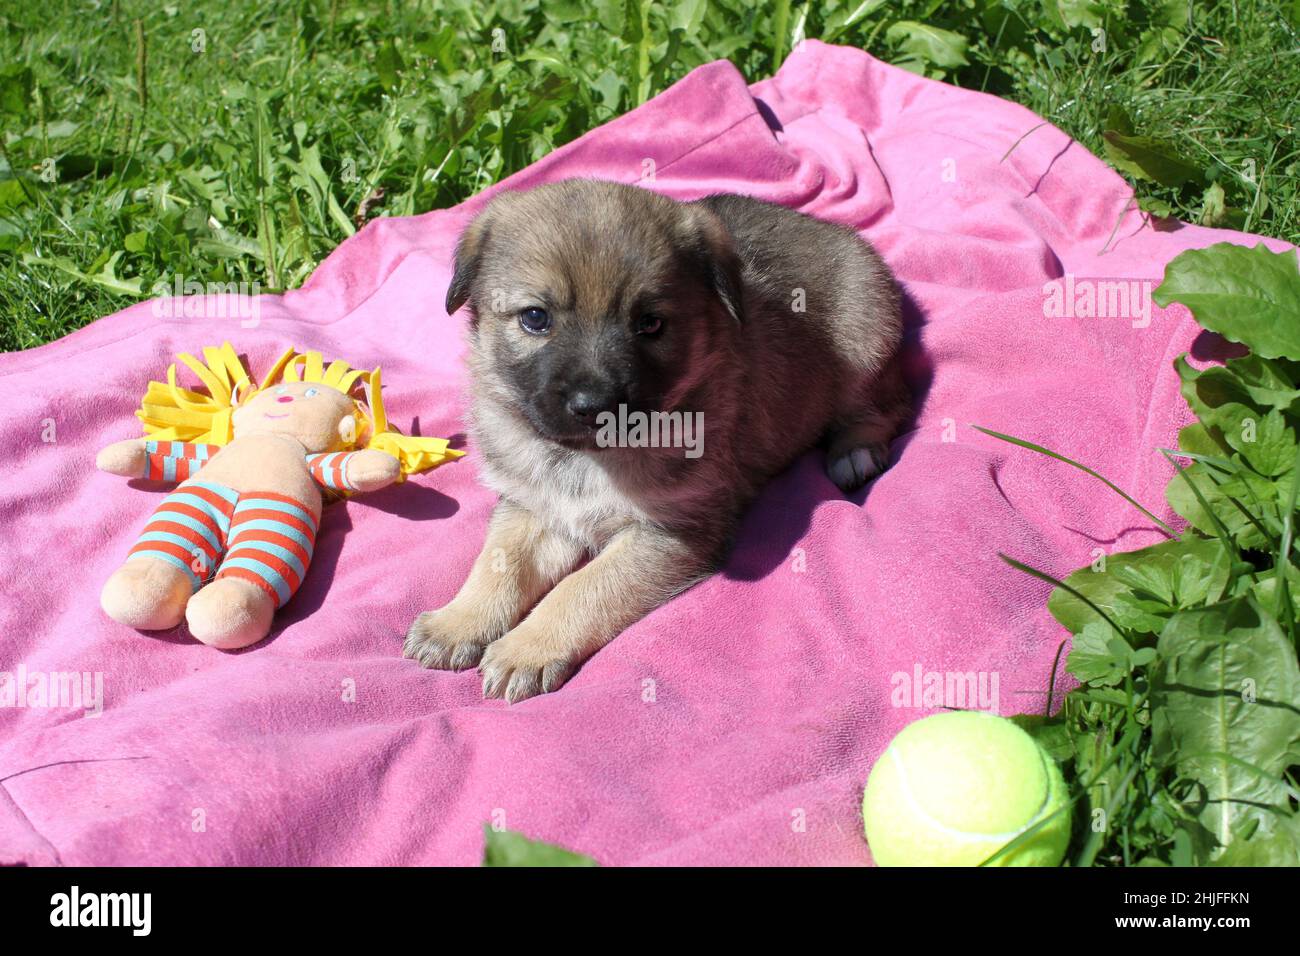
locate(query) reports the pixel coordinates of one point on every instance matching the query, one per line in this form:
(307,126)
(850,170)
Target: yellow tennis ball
(954,788)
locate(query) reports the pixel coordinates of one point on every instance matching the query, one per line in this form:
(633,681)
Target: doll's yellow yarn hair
(173,413)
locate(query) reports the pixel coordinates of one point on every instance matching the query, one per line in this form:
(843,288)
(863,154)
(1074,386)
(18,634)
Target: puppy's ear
(468,251)
(470,248)
(709,240)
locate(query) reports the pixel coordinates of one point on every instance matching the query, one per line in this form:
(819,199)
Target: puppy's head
(587,295)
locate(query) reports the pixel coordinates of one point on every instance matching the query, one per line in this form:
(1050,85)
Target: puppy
(594,300)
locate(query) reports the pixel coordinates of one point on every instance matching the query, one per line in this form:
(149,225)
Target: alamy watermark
(184,298)
(958,690)
(634,429)
(53,690)
(133,911)
(1083,297)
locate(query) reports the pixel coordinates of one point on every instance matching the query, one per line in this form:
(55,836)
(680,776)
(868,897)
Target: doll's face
(318,416)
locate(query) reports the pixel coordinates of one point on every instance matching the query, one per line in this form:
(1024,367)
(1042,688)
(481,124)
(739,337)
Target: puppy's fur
(781,329)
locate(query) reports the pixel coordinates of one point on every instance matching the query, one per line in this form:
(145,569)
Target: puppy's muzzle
(586,402)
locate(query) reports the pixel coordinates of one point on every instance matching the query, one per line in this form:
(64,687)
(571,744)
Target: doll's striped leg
(177,551)
(270,544)
(267,554)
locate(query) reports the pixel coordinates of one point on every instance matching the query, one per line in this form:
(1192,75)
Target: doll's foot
(147,594)
(230,613)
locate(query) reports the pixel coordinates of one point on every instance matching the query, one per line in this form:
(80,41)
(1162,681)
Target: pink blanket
(737,724)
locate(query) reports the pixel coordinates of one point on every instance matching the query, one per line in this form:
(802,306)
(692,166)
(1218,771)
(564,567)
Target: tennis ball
(954,788)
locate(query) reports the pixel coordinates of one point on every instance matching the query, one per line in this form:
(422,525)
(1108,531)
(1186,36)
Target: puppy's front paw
(523,664)
(446,639)
(854,467)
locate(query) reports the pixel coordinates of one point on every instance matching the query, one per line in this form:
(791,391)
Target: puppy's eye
(535,321)
(649,324)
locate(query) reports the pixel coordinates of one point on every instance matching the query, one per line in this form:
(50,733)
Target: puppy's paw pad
(516,669)
(853,468)
(437,640)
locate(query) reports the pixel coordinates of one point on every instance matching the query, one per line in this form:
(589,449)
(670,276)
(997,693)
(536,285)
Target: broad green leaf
(1266,442)
(1181,854)
(1190,569)
(1207,389)
(136,241)
(611,14)
(1278,847)
(687,15)
(59,129)
(1160,208)
(1251,296)
(106,277)
(1091,660)
(1246,487)
(1006,28)
(1119,120)
(440,47)
(1263,587)
(1069,14)
(389,66)
(1197,439)
(227,245)
(1269,382)
(507,848)
(1103,695)
(1226,710)
(1140,613)
(842,19)
(1149,158)
(564,11)
(930,44)
(1172,13)
(15,89)
(609,86)
(12,194)
(1157,44)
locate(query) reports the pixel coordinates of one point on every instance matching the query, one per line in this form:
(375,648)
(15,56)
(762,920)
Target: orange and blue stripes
(331,470)
(262,537)
(180,460)
(175,460)
(188,530)
(270,544)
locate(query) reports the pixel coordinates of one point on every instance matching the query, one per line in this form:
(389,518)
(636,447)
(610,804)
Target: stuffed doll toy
(232,543)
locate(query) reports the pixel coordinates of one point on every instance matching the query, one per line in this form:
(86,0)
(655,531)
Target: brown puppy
(743,332)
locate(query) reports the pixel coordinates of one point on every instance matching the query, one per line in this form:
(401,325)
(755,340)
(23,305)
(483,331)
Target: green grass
(137,150)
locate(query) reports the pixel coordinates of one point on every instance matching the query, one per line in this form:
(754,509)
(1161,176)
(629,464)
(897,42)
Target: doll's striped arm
(331,470)
(175,460)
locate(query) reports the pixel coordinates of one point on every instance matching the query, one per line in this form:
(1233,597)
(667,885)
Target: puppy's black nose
(586,404)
